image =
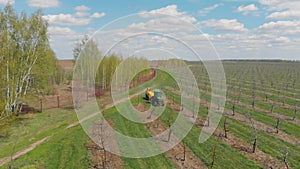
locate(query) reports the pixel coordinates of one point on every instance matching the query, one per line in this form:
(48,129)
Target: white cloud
(280,28)
(82,8)
(279,5)
(169,10)
(281,39)
(66,19)
(4,2)
(282,9)
(43,3)
(209,9)
(163,19)
(247,9)
(82,11)
(82,14)
(223,25)
(251,7)
(62,40)
(98,15)
(285,15)
(256,46)
(63,32)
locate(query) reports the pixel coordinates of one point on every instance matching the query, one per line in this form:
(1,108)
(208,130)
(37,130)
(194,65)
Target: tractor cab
(157,99)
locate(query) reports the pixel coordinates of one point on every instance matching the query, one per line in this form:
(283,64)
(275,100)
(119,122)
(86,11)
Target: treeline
(95,69)
(26,59)
(168,63)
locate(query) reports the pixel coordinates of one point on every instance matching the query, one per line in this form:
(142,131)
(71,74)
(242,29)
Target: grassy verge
(30,128)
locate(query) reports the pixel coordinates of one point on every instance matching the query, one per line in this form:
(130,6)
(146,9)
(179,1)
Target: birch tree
(87,56)
(23,41)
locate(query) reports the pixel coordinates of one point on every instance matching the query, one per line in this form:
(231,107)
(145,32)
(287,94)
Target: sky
(237,29)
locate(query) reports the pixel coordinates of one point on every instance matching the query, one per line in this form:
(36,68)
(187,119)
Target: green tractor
(157,99)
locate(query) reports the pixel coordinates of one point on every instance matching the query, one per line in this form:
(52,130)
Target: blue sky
(239,29)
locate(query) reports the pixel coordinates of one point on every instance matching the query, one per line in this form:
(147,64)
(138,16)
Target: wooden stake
(193,108)
(58,105)
(207,122)
(225,129)
(254,144)
(233,109)
(184,152)
(169,136)
(41,104)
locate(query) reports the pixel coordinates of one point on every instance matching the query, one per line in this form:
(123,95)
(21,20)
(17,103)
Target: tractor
(155,97)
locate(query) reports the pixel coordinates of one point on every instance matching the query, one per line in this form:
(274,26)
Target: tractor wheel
(152,102)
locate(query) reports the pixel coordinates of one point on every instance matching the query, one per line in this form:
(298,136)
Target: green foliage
(106,70)
(87,57)
(60,75)
(98,70)
(44,73)
(27,61)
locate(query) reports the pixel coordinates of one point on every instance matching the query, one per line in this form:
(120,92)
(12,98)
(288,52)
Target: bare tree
(285,159)
(233,109)
(277,125)
(295,113)
(253,101)
(225,127)
(272,108)
(254,145)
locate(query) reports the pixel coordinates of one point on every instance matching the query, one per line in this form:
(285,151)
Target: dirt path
(180,155)
(259,125)
(22,152)
(106,107)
